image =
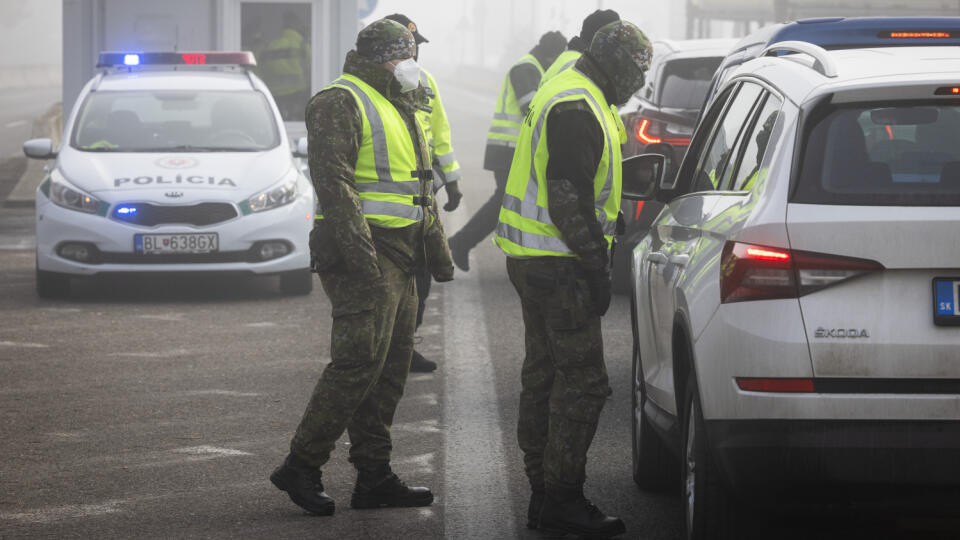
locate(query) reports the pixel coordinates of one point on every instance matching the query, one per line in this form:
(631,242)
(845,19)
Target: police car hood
(185,177)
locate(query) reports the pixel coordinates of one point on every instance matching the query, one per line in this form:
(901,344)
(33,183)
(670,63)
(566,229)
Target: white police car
(172,163)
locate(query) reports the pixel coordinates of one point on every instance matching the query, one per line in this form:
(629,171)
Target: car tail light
(643,135)
(750,272)
(653,132)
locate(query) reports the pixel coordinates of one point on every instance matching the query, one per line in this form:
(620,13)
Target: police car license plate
(155,244)
(946,294)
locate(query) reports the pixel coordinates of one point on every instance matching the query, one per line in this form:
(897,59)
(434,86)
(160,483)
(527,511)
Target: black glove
(453,196)
(600,289)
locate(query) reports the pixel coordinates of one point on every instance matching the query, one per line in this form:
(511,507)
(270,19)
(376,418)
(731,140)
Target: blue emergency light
(192,58)
(127,210)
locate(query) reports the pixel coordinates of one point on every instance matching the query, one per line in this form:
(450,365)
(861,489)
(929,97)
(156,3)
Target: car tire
(709,509)
(296,282)
(52,285)
(654,467)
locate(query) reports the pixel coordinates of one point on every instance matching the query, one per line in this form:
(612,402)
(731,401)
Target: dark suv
(660,119)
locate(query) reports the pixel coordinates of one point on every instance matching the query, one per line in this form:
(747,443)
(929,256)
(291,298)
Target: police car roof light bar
(190,58)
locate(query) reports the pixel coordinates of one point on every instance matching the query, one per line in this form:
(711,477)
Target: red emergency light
(191,58)
(915,35)
(947,91)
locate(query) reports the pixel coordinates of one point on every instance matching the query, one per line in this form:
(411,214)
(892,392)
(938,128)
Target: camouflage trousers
(564,379)
(371,344)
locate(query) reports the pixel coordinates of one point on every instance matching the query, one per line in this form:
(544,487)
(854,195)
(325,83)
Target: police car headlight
(279,195)
(65,194)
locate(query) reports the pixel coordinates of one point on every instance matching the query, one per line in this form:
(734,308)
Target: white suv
(795,304)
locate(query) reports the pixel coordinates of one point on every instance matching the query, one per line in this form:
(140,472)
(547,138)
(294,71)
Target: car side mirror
(39,149)
(301,150)
(642,176)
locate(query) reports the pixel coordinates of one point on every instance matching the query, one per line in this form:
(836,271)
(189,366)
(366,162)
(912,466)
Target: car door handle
(656,257)
(680,260)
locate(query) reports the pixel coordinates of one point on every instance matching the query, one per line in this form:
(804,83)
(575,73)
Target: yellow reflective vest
(282,63)
(525,228)
(508,113)
(386,173)
(436,131)
(566,60)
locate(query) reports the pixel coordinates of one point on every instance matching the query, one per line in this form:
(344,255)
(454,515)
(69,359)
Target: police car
(173,163)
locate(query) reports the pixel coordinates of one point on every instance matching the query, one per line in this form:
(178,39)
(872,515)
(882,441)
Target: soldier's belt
(424,174)
(426,200)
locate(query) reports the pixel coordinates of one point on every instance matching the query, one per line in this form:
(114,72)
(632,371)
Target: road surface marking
(159,354)
(216,392)
(24,345)
(424,426)
(58,513)
(15,123)
(473,446)
(206,450)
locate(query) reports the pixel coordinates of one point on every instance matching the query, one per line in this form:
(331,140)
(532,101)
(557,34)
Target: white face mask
(407,74)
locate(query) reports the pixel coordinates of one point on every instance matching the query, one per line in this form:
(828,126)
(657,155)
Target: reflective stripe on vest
(525,228)
(436,133)
(508,113)
(566,60)
(386,170)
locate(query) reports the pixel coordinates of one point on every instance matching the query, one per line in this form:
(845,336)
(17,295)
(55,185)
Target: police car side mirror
(642,176)
(39,149)
(301,149)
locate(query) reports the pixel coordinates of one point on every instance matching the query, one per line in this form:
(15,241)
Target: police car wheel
(296,282)
(52,284)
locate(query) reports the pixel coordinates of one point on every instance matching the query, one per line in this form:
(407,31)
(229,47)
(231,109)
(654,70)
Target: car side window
(748,173)
(712,169)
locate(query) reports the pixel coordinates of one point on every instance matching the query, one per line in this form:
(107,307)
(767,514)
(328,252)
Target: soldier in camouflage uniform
(558,245)
(367,270)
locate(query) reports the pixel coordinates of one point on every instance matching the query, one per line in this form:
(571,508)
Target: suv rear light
(750,272)
(653,132)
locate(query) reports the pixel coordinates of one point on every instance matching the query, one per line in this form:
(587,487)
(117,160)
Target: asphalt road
(157,408)
(18,108)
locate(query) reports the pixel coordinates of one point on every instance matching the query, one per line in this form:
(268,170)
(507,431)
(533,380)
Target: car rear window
(890,154)
(175,120)
(685,82)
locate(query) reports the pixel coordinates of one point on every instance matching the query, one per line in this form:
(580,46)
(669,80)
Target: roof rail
(823,64)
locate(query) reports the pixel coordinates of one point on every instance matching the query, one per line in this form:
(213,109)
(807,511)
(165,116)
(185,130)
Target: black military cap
(595,21)
(412,26)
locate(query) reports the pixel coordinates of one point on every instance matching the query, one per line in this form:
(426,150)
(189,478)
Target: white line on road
(473,446)
(24,345)
(216,392)
(73,511)
(159,354)
(15,123)
(206,450)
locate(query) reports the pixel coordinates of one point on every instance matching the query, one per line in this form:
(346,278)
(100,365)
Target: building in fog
(323,31)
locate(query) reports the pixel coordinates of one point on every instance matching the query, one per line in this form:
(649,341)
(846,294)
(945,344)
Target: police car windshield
(175,121)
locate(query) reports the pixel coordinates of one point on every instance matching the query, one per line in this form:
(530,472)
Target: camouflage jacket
(334,131)
(575,143)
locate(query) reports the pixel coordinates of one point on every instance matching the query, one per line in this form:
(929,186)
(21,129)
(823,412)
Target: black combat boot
(378,487)
(571,513)
(533,510)
(419,364)
(303,484)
